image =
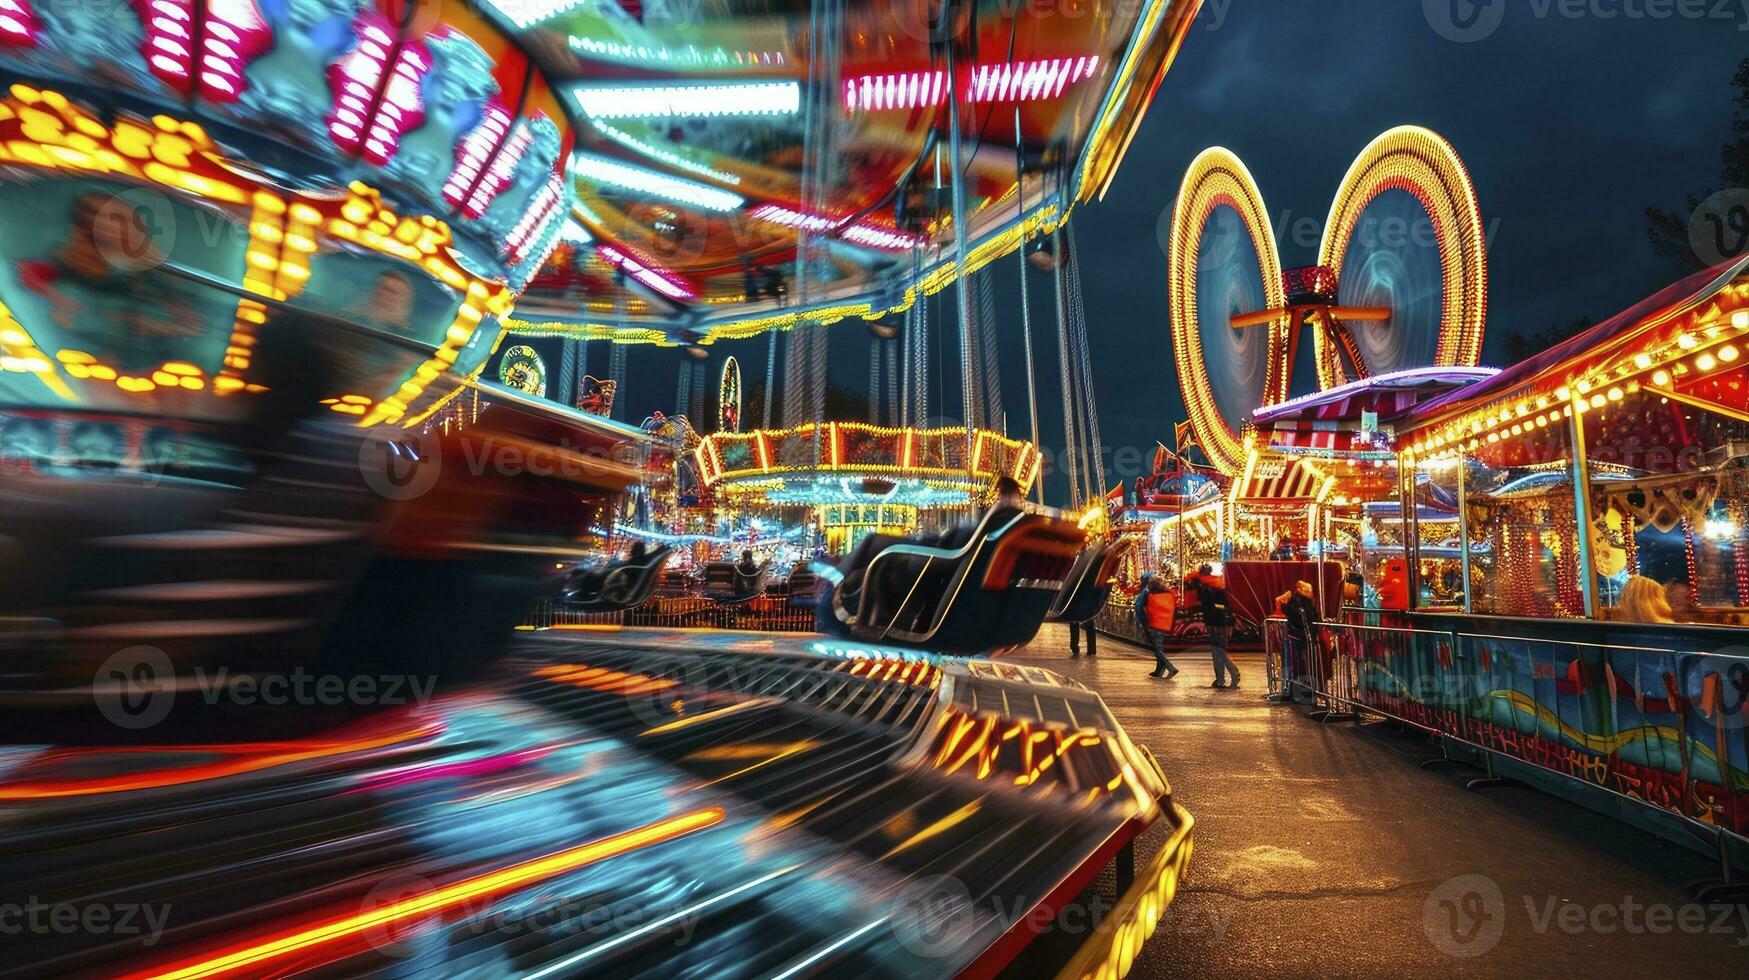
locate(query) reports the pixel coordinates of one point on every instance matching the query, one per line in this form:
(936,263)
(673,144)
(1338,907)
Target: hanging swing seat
(616,586)
(988,595)
(803,587)
(726,585)
(1088,586)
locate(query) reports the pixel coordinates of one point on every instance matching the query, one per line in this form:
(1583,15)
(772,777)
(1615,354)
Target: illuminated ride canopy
(199,166)
(707,147)
(868,477)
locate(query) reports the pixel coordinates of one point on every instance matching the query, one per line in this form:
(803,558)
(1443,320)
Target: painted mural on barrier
(1669,729)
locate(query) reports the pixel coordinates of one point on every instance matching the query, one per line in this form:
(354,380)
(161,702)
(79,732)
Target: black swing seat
(1088,586)
(989,595)
(803,587)
(618,585)
(725,583)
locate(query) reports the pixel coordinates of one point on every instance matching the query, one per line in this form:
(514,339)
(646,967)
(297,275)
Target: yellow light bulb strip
(1218,178)
(1421,162)
(43,129)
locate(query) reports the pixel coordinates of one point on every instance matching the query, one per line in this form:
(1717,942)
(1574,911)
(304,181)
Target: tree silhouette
(1669,231)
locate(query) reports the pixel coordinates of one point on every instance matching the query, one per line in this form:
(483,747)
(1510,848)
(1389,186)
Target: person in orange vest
(1156,607)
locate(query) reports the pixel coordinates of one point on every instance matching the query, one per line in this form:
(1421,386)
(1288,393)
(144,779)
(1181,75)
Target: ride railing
(1661,727)
(768,614)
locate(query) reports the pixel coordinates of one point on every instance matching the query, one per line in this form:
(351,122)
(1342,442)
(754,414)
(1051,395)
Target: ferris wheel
(1222,262)
(1401,282)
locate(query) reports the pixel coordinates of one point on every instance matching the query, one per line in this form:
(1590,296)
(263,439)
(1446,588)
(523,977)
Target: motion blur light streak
(255,955)
(467,768)
(252,757)
(659,924)
(606,681)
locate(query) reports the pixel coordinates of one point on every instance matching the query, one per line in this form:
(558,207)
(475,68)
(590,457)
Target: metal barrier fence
(1664,728)
(770,614)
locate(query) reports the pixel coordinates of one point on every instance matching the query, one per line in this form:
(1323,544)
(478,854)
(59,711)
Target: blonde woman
(1643,601)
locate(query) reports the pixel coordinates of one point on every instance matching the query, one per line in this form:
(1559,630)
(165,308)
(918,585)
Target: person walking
(1217,615)
(1304,629)
(1075,639)
(1157,606)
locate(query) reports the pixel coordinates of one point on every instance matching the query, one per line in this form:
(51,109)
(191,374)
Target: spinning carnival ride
(1401,283)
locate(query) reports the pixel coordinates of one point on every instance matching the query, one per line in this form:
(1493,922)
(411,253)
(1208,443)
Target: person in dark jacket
(1304,629)
(1217,615)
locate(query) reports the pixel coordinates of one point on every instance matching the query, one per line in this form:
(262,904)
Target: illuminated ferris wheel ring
(1250,363)
(1421,253)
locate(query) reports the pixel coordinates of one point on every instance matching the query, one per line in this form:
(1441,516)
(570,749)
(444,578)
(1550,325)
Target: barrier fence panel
(770,614)
(1664,728)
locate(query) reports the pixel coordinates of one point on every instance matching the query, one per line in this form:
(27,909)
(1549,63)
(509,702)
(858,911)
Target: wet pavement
(1326,849)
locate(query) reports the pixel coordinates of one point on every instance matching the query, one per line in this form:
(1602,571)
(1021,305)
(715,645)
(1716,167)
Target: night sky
(1570,128)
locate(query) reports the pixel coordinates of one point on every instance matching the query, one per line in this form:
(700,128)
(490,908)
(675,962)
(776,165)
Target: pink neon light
(357,127)
(861,232)
(467,769)
(661,280)
(470,159)
(232,34)
(503,168)
(18,24)
(1006,81)
(534,220)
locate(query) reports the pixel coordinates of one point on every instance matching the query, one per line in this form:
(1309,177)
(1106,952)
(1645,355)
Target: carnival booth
(1602,568)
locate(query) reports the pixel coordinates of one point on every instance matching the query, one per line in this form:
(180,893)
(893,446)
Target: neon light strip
(861,233)
(1007,81)
(728,99)
(661,280)
(527,13)
(471,156)
(603,170)
(419,907)
(669,157)
(687,57)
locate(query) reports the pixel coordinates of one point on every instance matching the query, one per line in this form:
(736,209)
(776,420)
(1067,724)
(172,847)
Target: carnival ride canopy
(710,145)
